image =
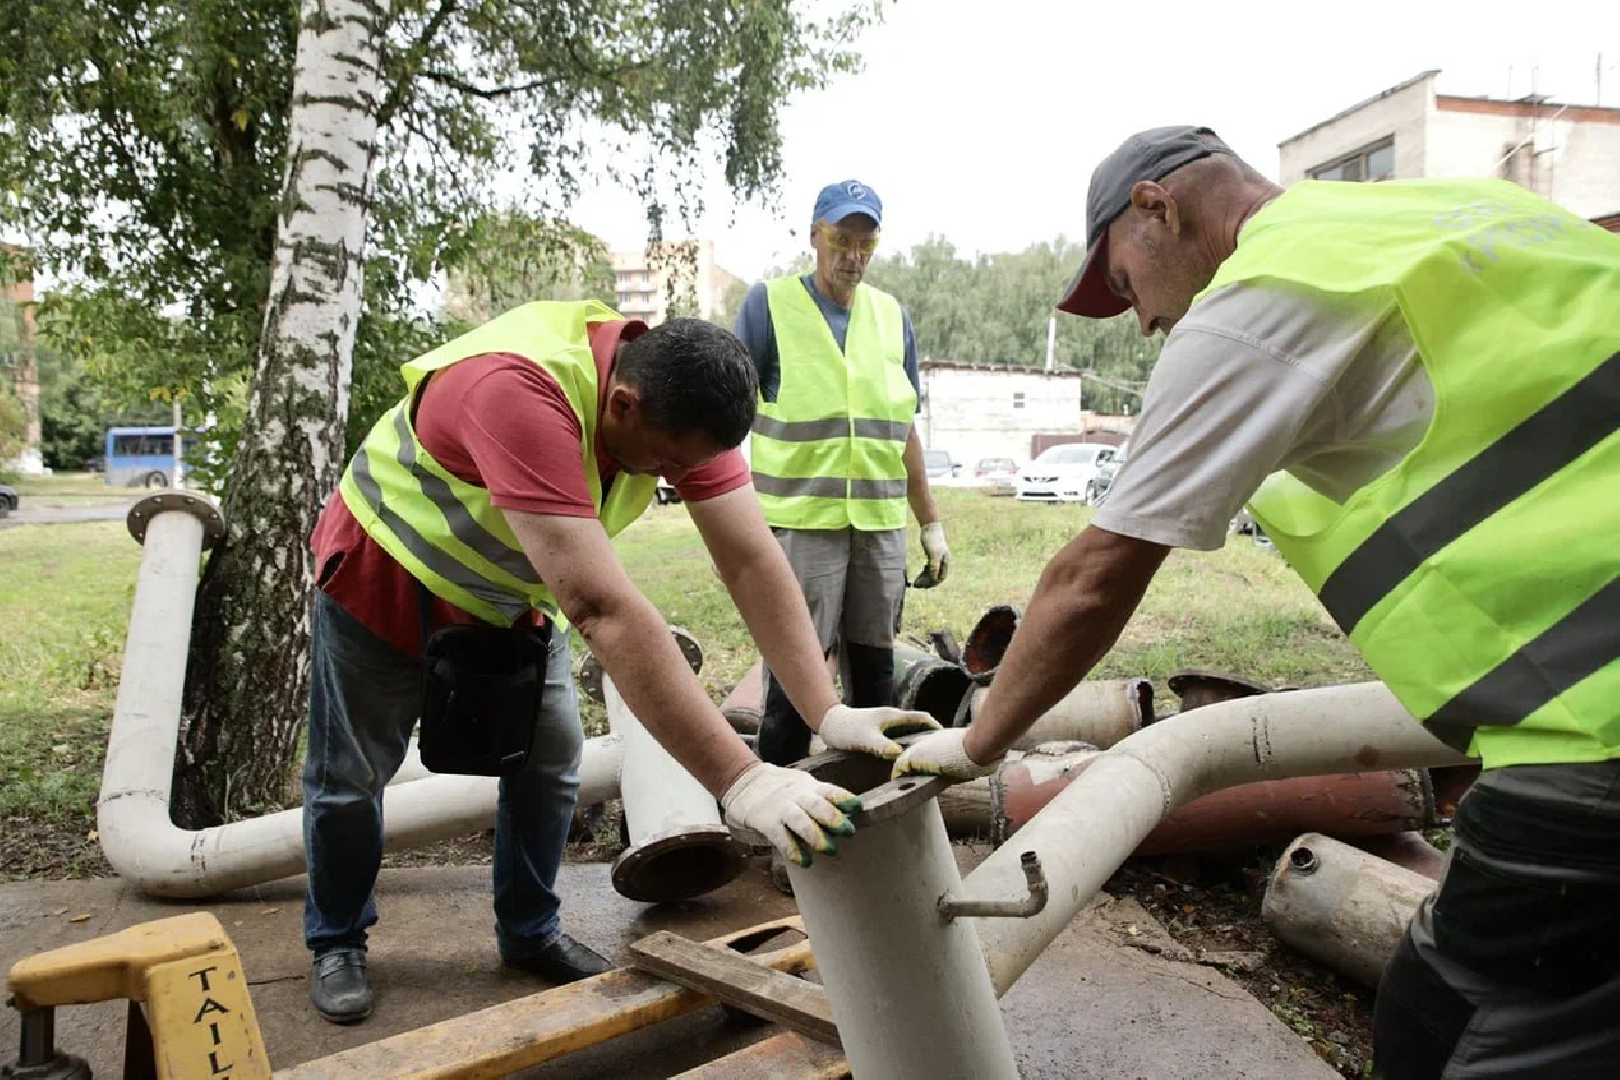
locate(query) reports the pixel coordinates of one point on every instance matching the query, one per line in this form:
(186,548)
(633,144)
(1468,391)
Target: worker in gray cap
(835,454)
(1414,385)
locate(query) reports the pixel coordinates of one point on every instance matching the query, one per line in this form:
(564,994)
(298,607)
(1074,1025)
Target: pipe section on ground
(1197,688)
(1342,906)
(1100,713)
(1093,825)
(924,682)
(987,642)
(137,836)
(1408,850)
(679,847)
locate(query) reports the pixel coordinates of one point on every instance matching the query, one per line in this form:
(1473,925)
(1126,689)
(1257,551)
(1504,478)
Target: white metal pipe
(908,989)
(679,846)
(143,845)
(1341,906)
(1101,712)
(1086,832)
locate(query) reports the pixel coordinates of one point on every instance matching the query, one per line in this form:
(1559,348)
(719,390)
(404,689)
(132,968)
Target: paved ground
(99,510)
(1090,1007)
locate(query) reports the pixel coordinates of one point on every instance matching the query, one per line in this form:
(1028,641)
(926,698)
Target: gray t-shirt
(1257,378)
(759,335)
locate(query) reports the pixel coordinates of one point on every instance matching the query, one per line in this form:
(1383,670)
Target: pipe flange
(679,865)
(590,668)
(862,773)
(174,499)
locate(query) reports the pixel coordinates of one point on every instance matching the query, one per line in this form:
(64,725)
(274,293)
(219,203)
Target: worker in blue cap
(835,454)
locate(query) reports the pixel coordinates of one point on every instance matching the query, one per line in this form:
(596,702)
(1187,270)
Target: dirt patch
(52,848)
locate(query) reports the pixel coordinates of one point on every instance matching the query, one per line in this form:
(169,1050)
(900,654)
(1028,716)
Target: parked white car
(1064,473)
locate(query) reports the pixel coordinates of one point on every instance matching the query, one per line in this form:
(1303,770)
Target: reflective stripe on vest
(446,532)
(1481,576)
(829,452)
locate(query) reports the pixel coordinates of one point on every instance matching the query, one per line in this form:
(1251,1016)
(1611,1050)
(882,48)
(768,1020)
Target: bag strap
(424,601)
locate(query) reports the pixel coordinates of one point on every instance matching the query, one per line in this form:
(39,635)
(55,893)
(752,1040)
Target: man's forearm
(1085,597)
(918,491)
(640,655)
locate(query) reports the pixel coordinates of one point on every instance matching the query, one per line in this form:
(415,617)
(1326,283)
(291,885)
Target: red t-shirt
(503,423)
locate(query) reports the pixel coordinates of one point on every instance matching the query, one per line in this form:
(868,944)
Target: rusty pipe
(987,642)
(744,706)
(1346,805)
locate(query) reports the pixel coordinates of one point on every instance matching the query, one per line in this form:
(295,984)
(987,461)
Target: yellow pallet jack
(191,1017)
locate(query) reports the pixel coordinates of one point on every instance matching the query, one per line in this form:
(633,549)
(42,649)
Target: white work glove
(938,552)
(796,812)
(867,730)
(942,754)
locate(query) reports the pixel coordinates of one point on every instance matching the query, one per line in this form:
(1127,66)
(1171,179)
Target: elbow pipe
(138,837)
(1087,831)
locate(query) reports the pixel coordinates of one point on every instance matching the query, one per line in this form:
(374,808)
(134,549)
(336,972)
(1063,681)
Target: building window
(1370,163)
(1018,399)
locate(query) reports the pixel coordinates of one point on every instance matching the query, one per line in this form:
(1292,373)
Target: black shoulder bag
(481,695)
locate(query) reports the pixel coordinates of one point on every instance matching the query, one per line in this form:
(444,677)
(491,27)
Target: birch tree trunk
(247,682)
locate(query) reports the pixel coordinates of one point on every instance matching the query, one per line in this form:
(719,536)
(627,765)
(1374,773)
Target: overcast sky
(981,119)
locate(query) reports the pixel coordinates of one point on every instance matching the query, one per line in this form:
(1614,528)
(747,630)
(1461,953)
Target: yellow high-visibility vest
(445,531)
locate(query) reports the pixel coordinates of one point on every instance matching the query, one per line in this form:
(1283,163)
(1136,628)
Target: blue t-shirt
(755,329)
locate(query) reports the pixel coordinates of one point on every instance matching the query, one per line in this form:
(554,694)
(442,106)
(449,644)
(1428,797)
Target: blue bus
(143,456)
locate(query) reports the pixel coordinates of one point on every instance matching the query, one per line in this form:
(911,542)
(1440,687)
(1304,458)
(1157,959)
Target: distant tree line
(993,309)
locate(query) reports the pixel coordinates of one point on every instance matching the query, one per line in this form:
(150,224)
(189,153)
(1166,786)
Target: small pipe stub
(1303,860)
(590,668)
(175,499)
(1199,688)
(1033,903)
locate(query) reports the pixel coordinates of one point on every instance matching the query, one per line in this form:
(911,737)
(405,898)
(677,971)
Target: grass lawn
(67,592)
(69,489)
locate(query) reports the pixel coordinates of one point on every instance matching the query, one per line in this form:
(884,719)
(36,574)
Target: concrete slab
(1089,1007)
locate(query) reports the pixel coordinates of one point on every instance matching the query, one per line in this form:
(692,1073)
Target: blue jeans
(364,699)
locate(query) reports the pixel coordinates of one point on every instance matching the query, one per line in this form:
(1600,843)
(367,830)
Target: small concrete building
(1565,152)
(976,411)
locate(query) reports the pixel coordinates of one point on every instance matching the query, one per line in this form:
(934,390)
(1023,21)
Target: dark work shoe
(563,961)
(338,987)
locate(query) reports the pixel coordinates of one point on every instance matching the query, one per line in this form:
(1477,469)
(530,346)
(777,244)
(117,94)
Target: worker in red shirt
(476,514)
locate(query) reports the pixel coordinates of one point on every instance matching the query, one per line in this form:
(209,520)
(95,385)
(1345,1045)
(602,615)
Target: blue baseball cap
(837,201)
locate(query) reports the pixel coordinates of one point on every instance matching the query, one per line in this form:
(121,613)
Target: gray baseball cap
(1148,155)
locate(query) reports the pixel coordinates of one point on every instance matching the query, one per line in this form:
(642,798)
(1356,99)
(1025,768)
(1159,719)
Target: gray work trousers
(854,584)
(1513,968)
